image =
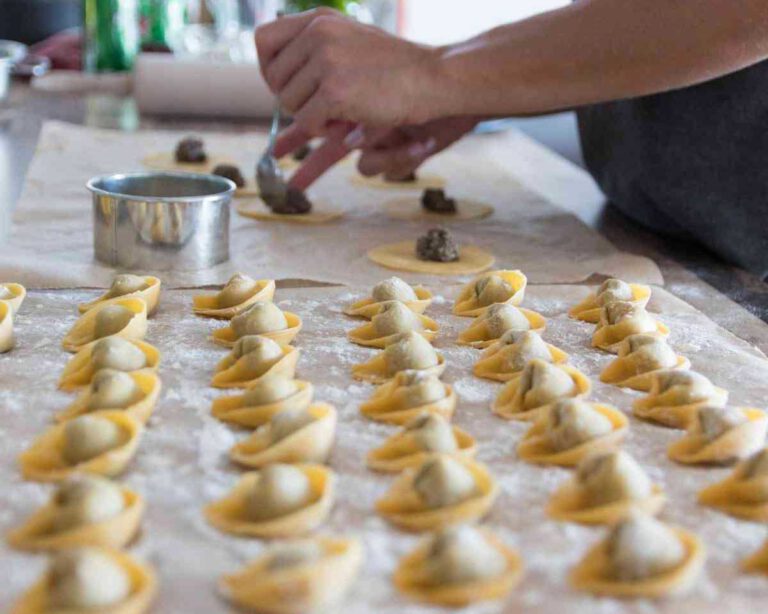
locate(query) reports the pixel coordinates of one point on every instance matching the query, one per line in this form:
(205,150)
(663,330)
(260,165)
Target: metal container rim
(228,186)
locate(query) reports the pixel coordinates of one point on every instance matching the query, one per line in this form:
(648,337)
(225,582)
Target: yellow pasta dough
(410,352)
(493,287)
(86,511)
(610,291)
(299,576)
(442,491)
(621,319)
(321,213)
(121,317)
(128,355)
(101,443)
(459,566)
(263,399)
(675,397)
(639,357)
(393,319)
(237,295)
(496,321)
(13,294)
(423,181)
(136,393)
(402,257)
(416,298)
(298,435)
(147,288)
(540,384)
(570,430)
(505,360)
(744,493)
(424,435)
(92,579)
(278,501)
(261,318)
(7,339)
(641,558)
(254,357)
(605,489)
(758,561)
(720,436)
(408,395)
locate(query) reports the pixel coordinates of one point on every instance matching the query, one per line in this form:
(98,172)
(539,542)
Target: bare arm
(599,50)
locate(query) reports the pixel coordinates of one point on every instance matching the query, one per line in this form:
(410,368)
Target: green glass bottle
(163,21)
(111,35)
(296,6)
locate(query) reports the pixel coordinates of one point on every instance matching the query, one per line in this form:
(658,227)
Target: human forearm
(598,50)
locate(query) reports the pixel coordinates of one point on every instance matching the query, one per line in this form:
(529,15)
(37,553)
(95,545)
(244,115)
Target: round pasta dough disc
(257,210)
(423,181)
(402,257)
(166,161)
(249,190)
(410,209)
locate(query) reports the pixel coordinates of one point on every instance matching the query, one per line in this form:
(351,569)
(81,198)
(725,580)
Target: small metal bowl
(161,221)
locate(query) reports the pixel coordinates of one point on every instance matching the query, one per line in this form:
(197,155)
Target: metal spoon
(269,176)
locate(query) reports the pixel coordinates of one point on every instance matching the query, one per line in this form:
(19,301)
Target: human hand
(395,152)
(328,68)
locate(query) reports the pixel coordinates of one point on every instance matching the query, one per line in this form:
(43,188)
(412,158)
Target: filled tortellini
(503,286)
(121,317)
(237,295)
(13,294)
(498,320)
(261,318)
(411,351)
(540,384)
(570,430)
(298,435)
(444,490)
(114,353)
(458,566)
(417,298)
(254,357)
(621,319)
(641,557)
(101,443)
(263,399)
(85,511)
(421,436)
(147,288)
(606,488)
(721,436)
(640,356)
(744,493)
(324,568)
(91,579)
(7,338)
(505,360)
(393,319)
(135,392)
(610,291)
(675,396)
(277,501)
(408,395)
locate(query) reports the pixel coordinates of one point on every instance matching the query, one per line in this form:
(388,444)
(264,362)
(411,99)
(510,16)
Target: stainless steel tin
(161,221)
(5,74)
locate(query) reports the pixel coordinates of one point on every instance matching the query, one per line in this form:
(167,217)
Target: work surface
(182,464)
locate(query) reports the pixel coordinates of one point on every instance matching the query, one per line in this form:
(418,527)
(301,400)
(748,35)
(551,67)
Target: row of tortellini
(440,488)
(609,487)
(291,491)
(90,518)
(12,295)
(680,398)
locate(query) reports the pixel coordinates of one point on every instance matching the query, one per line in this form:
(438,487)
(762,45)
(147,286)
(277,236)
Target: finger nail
(355,138)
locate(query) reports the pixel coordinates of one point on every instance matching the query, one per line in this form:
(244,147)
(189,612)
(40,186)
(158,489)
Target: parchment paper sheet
(181,463)
(51,240)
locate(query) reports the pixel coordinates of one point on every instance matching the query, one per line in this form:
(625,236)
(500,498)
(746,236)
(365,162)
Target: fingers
(272,37)
(397,161)
(324,157)
(301,87)
(290,139)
